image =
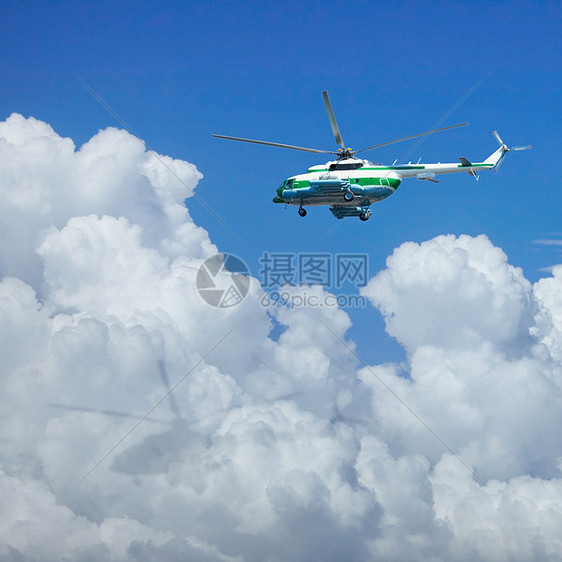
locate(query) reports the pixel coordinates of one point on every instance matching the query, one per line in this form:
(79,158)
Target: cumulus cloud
(284,448)
(475,374)
(548,293)
(453,293)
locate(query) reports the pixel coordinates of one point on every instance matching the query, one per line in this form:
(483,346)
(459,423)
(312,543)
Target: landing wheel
(302,212)
(348,196)
(364,216)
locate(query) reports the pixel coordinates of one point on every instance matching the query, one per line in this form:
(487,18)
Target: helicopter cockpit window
(289,184)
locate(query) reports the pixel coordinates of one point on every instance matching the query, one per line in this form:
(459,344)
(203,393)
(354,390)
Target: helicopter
(350,185)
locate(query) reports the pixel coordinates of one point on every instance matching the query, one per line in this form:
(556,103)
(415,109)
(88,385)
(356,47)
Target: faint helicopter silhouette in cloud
(183,441)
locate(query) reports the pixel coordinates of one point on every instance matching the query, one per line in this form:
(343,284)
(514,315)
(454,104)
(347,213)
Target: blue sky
(176,72)
(327,434)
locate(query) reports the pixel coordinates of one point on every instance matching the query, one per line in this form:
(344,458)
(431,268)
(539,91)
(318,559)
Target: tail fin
(494,158)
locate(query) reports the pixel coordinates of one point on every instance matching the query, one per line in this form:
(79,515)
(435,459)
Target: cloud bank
(273,449)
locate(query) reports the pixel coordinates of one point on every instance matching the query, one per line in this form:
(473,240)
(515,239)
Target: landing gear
(302,212)
(364,216)
(348,196)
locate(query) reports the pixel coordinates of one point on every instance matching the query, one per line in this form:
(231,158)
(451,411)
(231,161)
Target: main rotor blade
(276,144)
(332,118)
(169,391)
(412,137)
(521,147)
(109,413)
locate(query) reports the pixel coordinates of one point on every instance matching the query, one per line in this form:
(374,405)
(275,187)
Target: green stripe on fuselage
(363,182)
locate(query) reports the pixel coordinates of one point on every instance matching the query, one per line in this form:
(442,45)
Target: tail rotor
(506,149)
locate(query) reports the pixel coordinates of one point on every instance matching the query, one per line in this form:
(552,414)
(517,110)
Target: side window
(289,184)
(352,166)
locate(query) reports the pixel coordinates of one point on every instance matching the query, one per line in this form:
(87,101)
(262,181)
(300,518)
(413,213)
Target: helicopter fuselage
(358,183)
(332,184)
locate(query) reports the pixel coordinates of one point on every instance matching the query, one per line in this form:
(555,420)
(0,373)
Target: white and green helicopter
(351,185)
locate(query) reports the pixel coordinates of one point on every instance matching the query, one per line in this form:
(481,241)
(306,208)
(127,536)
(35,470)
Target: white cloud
(514,520)
(548,293)
(47,182)
(453,293)
(548,242)
(278,450)
(475,375)
(35,525)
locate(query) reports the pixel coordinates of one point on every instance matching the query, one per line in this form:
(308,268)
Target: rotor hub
(344,153)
